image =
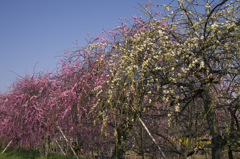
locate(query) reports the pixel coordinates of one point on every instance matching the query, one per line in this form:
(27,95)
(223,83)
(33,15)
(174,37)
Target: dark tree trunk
(230,154)
(120,148)
(211,120)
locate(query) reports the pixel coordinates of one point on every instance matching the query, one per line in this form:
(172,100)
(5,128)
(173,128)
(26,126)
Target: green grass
(24,154)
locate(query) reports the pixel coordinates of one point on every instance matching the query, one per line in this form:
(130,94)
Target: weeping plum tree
(118,101)
(37,104)
(211,62)
(28,105)
(180,68)
(124,105)
(42,102)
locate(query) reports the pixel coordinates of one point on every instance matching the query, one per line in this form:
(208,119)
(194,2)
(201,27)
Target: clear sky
(33,31)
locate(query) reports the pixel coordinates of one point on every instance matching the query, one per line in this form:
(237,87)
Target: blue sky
(33,31)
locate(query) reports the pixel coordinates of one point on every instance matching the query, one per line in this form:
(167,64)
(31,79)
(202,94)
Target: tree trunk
(211,120)
(187,148)
(120,146)
(45,147)
(230,154)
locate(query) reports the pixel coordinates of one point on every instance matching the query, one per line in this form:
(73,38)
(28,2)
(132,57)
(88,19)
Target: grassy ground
(23,154)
